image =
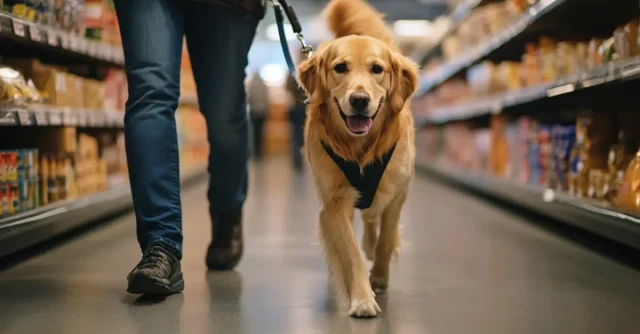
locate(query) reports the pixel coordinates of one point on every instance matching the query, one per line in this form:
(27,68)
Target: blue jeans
(218,40)
(297,116)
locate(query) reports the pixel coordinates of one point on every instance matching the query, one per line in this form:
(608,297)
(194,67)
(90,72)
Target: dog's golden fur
(362,41)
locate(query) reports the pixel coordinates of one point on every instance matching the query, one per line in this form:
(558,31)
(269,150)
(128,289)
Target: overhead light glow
(273,74)
(412,28)
(272,32)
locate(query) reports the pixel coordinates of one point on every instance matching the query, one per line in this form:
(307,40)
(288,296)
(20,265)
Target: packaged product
(566,59)
(547,59)
(622,43)
(607,51)
(23,8)
(482,79)
(628,195)
(594,58)
(545,149)
(4,190)
(13,86)
(52,179)
(508,76)
(44,179)
(595,133)
(530,69)
(523,172)
(498,150)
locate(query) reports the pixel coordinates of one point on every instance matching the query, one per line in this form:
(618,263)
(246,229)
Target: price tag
(81,117)
(71,118)
(55,118)
(92,48)
(36,34)
(52,37)
(40,118)
(6,24)
(65,39)
(18,28)
(83,45)
(101,119)
(25,117)
(8,118)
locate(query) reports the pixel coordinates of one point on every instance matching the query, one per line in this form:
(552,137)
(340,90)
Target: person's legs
(219,39)
(297,127)
(258,136)
(152,40)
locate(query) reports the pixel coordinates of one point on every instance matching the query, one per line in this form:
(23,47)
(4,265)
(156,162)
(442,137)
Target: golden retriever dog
(359,139)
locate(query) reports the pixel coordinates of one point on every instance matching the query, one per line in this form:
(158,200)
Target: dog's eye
(340,68)
(377,69)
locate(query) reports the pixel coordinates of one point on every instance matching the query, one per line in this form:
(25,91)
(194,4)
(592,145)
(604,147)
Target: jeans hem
(173,246)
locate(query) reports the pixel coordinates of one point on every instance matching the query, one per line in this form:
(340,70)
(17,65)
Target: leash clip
(278,5)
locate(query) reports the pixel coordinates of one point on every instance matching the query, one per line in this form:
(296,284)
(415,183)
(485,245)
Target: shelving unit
(20,231)
(62,161)
(608,88)
(61,43)
(591,216)
(58,116)
(623,72)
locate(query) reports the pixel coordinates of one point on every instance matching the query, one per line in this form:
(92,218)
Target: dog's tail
(356,17)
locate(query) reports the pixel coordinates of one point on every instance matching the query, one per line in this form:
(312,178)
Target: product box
(55,85)
(93,93)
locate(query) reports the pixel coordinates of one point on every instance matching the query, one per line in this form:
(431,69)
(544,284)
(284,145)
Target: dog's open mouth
(357,124)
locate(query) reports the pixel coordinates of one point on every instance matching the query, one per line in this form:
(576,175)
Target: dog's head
(361,81)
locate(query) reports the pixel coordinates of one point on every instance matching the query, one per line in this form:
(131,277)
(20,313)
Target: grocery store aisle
(466,267)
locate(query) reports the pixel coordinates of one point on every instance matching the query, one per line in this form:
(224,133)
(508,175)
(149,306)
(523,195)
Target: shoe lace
(154,257)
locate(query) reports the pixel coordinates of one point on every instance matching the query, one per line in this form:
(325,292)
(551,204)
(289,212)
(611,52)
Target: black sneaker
(226,246)
(158,273)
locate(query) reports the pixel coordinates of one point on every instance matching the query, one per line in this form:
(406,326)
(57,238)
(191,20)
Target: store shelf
(58,116)
(25,229)
(476,54)
(459,14)
(587,215)
(618,72)
(57,41)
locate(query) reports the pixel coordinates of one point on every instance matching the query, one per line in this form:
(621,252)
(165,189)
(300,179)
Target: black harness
(366,183)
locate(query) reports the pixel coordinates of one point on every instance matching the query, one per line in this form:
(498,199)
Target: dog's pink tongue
(359,123)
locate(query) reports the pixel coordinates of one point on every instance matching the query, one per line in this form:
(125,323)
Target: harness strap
(366,182)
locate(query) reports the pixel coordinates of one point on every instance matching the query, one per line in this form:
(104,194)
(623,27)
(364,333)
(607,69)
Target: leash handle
(291,16)
(279,6)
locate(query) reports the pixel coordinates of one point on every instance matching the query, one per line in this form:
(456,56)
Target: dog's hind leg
(370,235)
(388,242)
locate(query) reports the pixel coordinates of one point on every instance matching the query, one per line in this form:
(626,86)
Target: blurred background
(531,104)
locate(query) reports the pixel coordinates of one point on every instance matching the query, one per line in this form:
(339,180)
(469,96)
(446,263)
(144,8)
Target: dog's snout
(359,101)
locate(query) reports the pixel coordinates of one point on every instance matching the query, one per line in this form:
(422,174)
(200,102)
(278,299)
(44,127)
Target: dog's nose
(359,101)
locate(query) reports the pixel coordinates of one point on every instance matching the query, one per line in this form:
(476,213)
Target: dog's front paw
(364,308)
(379,283)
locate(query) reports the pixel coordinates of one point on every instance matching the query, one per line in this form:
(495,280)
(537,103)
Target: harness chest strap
(367,182)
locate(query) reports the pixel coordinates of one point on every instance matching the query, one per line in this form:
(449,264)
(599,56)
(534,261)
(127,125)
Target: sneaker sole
(149,286)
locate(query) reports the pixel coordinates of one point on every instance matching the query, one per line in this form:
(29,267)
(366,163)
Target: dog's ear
(310,77)
(404,81)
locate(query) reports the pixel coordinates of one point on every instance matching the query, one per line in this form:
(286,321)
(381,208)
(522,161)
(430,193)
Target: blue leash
(278,7)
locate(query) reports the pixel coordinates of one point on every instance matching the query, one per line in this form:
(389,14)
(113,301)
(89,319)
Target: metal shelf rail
(590,216)
(20,231)
(616,72)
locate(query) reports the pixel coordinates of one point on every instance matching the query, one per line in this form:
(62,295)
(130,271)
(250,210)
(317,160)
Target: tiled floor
(466,267)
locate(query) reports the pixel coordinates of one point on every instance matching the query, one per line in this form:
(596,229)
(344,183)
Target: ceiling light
(273,74)
(421,28)
(272,32)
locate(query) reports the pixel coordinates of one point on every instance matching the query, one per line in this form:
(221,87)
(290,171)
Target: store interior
(523,216)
